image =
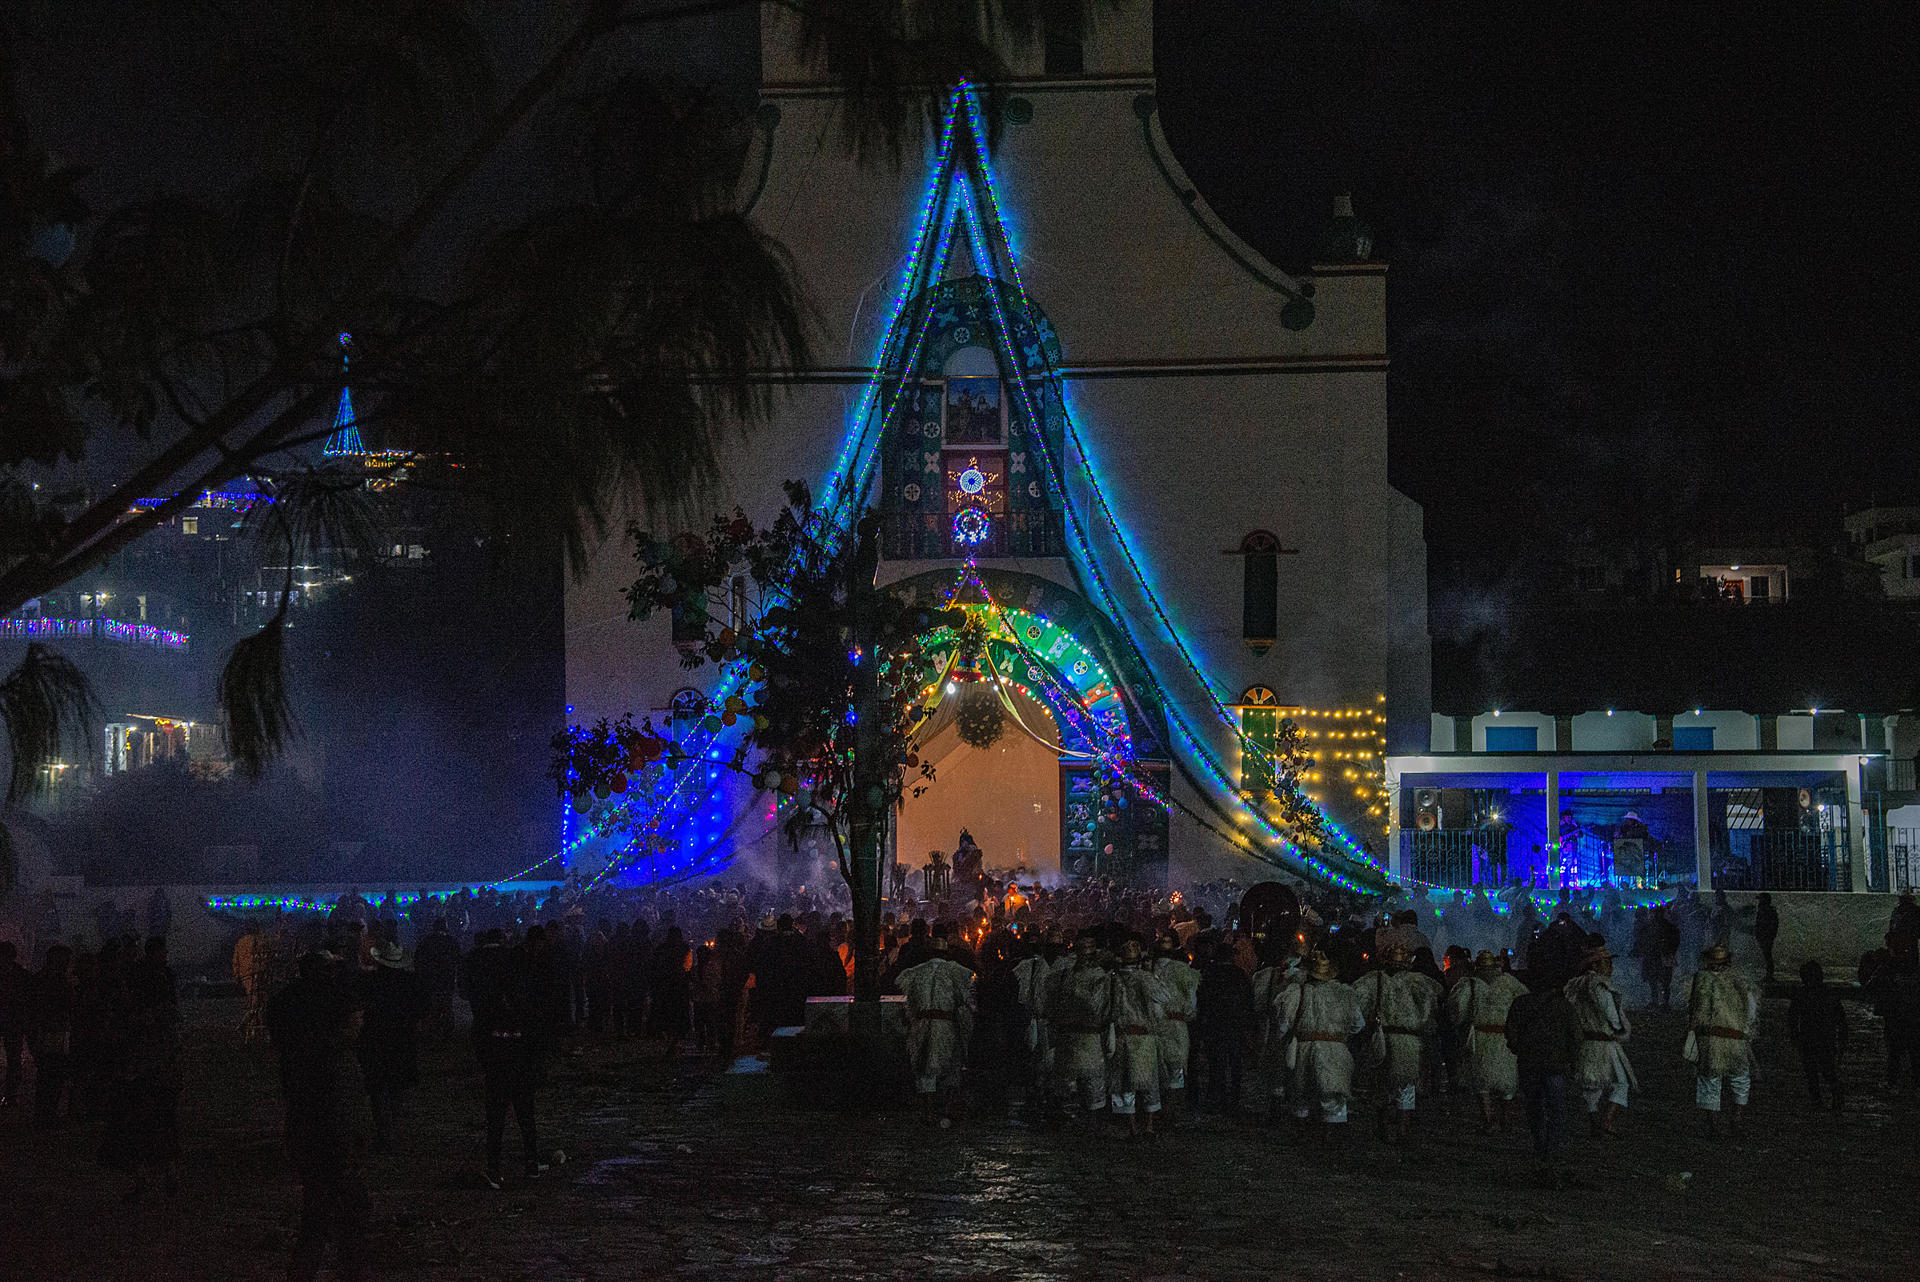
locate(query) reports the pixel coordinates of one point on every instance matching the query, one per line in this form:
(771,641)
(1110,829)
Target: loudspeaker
(1426,809)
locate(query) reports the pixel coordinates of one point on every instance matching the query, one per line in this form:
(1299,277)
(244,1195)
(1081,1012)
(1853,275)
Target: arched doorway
(1046,792)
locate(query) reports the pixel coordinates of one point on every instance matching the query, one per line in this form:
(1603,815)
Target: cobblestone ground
(676,1170)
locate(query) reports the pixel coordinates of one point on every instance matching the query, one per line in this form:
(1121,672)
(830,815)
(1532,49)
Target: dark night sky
(1651,265)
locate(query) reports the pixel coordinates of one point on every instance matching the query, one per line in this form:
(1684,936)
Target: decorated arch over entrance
(1047,642)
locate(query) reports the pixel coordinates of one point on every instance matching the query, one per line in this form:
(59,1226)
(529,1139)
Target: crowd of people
(1062,1004)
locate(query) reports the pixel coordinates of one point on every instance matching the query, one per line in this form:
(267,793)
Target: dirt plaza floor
(677,1169)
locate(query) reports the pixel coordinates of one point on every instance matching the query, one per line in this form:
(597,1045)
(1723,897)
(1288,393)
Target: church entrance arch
(1075,713)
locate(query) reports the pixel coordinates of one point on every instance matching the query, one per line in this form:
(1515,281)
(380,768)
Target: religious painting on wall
(974,412)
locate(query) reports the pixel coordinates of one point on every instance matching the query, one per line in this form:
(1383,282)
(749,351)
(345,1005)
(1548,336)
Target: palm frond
(256,715)
(892,56)
(318,510)
(47,703)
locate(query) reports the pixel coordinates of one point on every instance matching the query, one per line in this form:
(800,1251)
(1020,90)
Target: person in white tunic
(1268,984)
(1079,1009)
(1133,1073)
(939,994)
(1182,983)
(1316,1018)
(1723,1012)
(1602,1070)
(1031,980)
(1477,1007)
(1404,1008)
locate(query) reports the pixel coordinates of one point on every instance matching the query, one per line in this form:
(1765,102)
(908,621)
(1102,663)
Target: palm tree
(598,346)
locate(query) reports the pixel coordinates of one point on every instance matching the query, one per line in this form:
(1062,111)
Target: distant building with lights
(1888,539)
(1167,458)
(1813,800)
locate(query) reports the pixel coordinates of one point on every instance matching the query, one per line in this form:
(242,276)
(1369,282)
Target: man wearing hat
(389,1045)
(1477,1007)
(1723,1009)
(1134,1073)
(1182,983)
(1602,1069)
(1079,1008)
(1268,984)
(1315,1018)
(939,994)
(1403,1006)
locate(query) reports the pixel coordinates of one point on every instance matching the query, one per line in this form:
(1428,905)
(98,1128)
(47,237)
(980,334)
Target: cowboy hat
(1593,957)
(1486,961)
(1320,966)
(1397,955)
(1716,957)
(389,955)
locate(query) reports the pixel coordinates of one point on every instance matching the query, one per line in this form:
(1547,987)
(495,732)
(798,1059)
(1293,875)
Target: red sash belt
(1136,1030)
(1731,1034)
(1319,1037)
(935,1014)
(1489,1028)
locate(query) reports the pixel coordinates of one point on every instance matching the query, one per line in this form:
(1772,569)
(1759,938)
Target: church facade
(1079,400)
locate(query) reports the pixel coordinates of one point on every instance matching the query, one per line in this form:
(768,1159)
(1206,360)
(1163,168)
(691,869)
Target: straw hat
(388,955)
(1486,963)
(1320,966)
(1397,955)
(1716,958)
(1593,957)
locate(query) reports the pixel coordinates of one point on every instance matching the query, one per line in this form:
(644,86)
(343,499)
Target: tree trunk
(870,803)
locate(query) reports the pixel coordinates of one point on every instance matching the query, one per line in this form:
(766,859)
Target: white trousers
(1332,1107)
(1706,1090)
(1613,1094)
(1123,1103)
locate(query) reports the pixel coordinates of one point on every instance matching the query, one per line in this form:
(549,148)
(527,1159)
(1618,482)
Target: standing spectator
(1766,929)
(550,1004)
(1720,919)
(50,1034)
(619,992)
(1544,1036)
(670,989)
(437,962)
(1660,946)
(707,987)
(16,1002)
(1903,929)
(143,1096)
(1223,1006)
(596,976)
(1817,1026)
(506,1034)
(159,913)
(395,1005)
(569,941)
(734,970)
(325,1135)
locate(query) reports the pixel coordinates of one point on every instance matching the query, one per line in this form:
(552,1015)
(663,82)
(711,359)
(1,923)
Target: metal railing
(1903,858)
(1790,860)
